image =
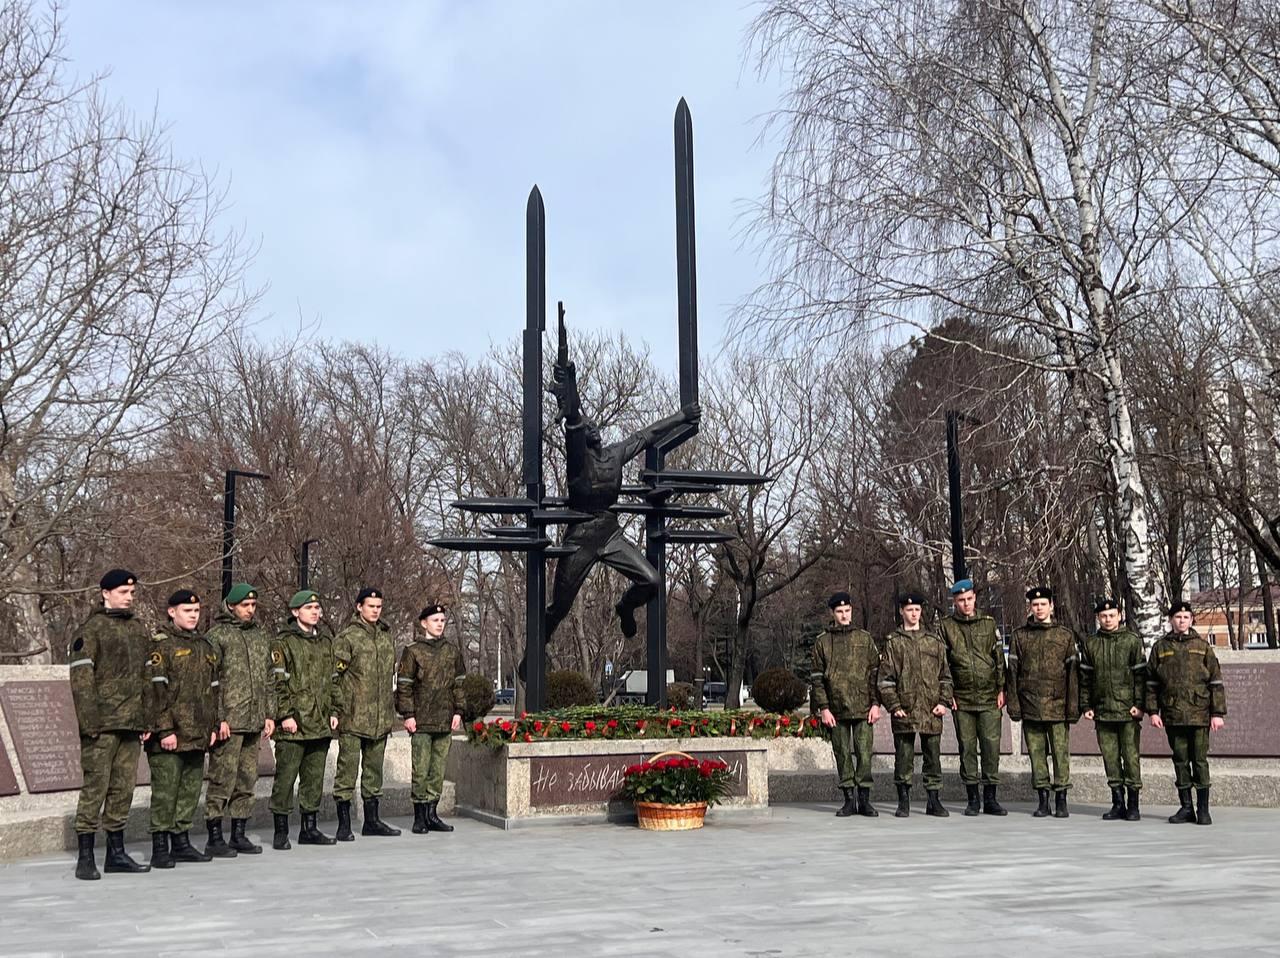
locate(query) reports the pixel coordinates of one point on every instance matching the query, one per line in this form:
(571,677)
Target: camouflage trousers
(1118,743)
(1043,739)
(851,742)
(1190,744)
(430,751)
(109,763)
(904,759)
(979,735)
(301,762)
(363,755)
(176,778)
(233,772)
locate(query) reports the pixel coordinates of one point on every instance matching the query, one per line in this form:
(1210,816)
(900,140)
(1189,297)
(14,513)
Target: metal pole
(655,625)
(229,522)
(304,564)
(959,567)
(535,561)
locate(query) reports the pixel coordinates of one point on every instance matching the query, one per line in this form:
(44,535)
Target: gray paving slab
(800,883)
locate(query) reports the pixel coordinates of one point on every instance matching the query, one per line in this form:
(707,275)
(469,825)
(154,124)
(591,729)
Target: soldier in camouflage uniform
(1186,698)
(915,689)
(429,697)
(1113,680)
(1042,691)
(365,661)
(975,654)
(303,675)
(843,694)
(184,713)
(107,658)
(244,652)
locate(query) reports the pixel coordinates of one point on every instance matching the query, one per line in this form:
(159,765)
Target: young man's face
(244,611)
(1109,620)
(433,625)
(1041,610)
(308,615)
(966,602)
(185,616)
(370,610)
(120,597)
(911,616)
(843,613)
(1181,621)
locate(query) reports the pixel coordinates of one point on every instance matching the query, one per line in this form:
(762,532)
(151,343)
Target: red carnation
(612,723)
(675,723)
(506,726)
(524,715)
(479,726)
(640,725)
(565,726)
(528,737)
(589,725)
(537,726)
(786,720)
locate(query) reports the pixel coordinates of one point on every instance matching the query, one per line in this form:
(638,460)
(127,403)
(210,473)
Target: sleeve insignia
(211,658)
(154,658)
(178,653)
(341,666)
(276,657)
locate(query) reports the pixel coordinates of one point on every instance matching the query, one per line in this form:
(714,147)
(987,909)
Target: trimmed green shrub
(779,690)
(566,688)
(680,696)
(477,697)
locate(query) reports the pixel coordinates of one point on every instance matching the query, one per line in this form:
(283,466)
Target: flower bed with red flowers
(675,781)
(639,722)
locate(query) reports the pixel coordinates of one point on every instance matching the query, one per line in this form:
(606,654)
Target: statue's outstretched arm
(652,433)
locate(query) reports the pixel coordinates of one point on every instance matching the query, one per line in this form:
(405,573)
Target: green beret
(303,597)
(239,592)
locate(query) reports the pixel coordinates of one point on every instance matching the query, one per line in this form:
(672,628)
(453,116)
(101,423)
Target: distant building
(1221,612)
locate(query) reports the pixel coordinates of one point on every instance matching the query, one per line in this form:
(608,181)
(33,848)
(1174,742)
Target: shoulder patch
(276,657)
(211,658)
(157,637)
(178,653)
(154,658)
(341,666)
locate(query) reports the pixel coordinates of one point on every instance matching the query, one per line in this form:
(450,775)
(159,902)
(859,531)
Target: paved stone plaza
(796,884)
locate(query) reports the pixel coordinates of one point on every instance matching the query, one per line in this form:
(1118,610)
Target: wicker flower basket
(670,818)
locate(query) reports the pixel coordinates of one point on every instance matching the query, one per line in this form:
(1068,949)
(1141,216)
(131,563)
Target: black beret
(910,598)
(839,598)
(116,578)
(1182,605)
(183,597)
(431,609)
(368,593)
(1105,605)
(1040,592)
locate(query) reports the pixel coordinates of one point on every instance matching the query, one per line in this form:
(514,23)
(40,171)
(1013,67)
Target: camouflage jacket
(844,673)
(108,657)
(184,695)
(302,666)
(1184,680)
(976,657)
(244,653)
(429,684)
(1113,674)
(364,658)
(915,677)
(1042,682)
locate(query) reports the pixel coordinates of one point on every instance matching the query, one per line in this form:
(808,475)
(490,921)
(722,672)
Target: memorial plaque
(42,721)
(586,779)
(1252,730)
(883,742)
(8,781)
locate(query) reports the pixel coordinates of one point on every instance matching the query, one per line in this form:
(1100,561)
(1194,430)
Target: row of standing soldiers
(183,694)
(1051,678)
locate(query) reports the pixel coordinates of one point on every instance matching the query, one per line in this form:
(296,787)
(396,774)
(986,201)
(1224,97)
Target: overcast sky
(382,152)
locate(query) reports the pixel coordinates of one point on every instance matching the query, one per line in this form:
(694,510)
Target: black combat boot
(184,851)
(865,808)
(344,824)
(1132,814)
(118,860)
(420,818)
(240,842)
(280,840)
(990,806)
(433,820)
(86,867)
(1060,804)
(971,807)
(160,857)
(1202,807)
(1185,812)
(1042,810)
(1117,811)
(934,806)
(850,803)
(373,823)
(308,834)
(217,846)
(904,802)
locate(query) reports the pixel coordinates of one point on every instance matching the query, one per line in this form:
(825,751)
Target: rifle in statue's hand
(564,384)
